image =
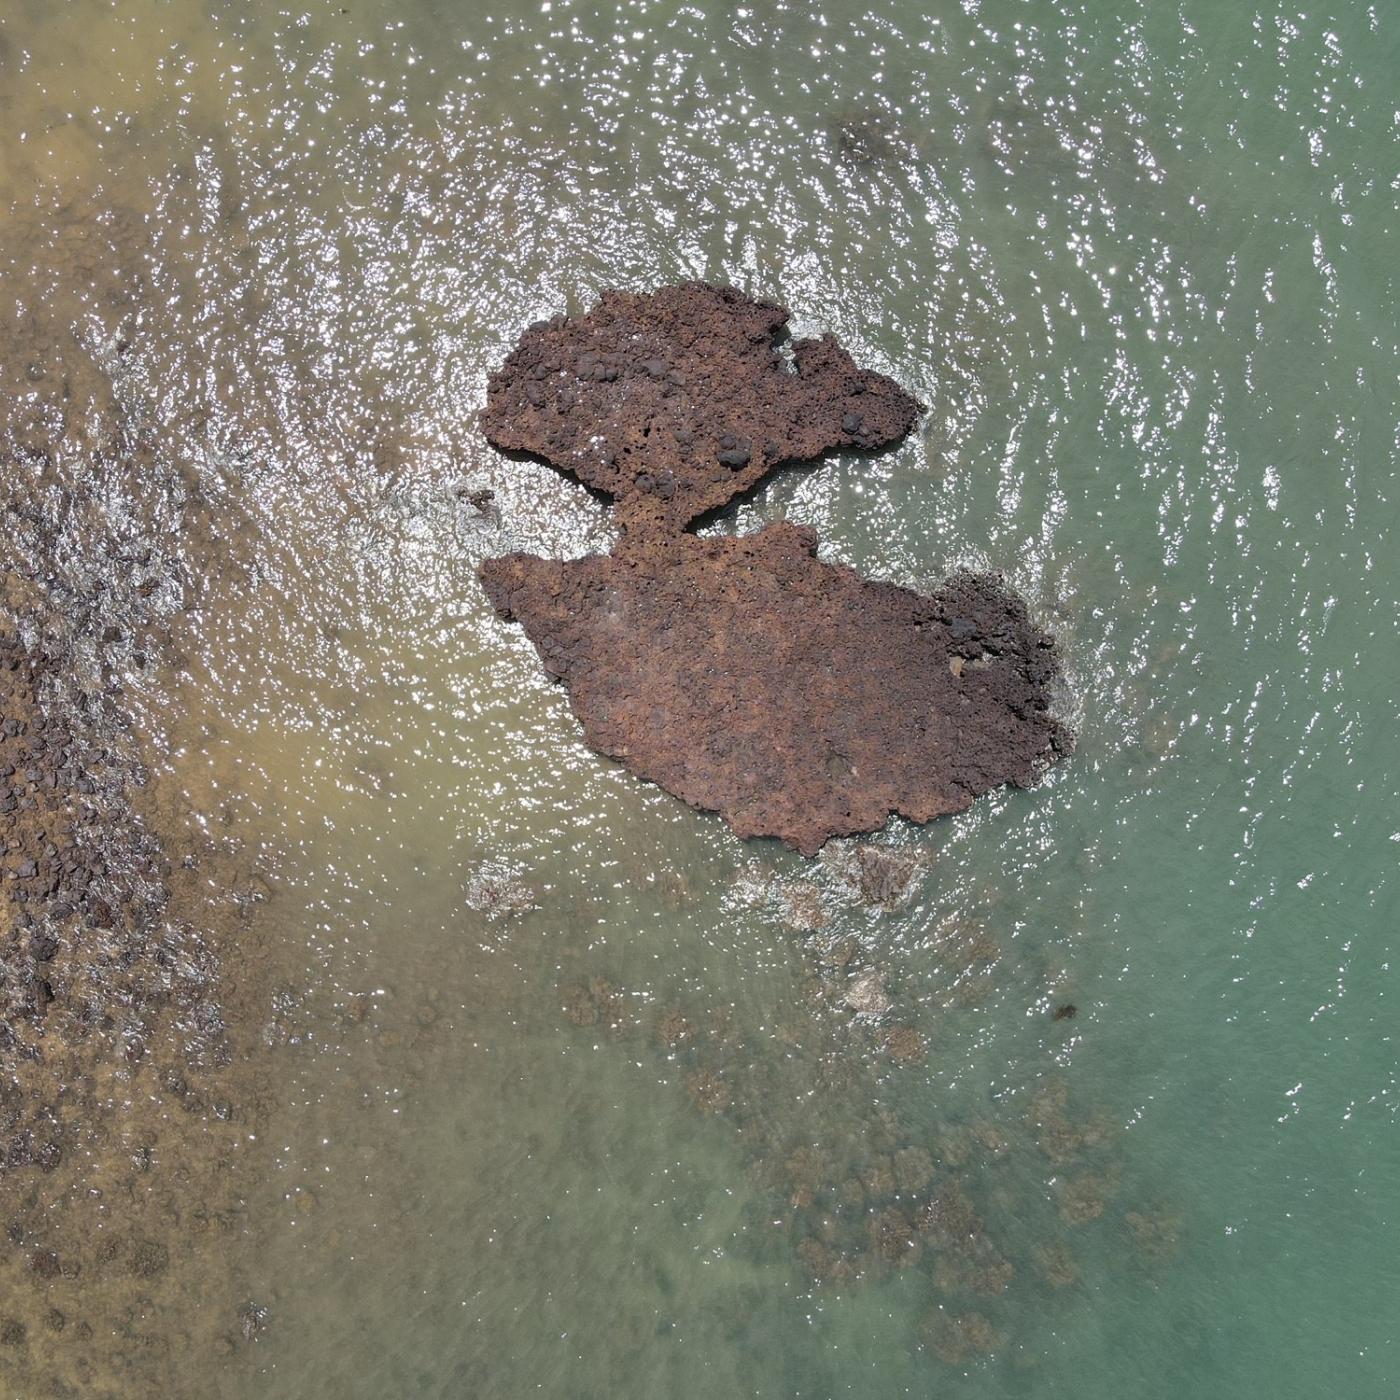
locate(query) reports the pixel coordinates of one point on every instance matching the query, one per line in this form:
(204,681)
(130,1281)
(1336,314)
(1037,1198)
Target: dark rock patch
(684,385)
(45,1263)
(794,697)
(867,137)
(149,1258)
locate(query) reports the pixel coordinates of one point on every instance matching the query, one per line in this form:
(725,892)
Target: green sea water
(566,1101)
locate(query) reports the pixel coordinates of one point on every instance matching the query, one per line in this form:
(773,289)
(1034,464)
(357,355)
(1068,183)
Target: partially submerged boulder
(743,674)
(676,401)
(796,698)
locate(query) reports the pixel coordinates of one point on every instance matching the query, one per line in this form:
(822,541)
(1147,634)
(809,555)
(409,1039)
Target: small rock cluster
(983,1214)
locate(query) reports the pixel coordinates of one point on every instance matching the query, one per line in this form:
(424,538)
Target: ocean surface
(564,1098)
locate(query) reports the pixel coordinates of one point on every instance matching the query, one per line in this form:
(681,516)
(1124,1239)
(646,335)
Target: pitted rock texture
(796,698)
(742,674)
(676,401)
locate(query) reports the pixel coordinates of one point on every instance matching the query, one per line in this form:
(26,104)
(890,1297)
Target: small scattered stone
(708,1092)
(149,1259)
(252,1319)
(867,995)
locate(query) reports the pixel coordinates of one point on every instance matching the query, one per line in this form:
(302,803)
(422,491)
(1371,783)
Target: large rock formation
(742,674)
(675,402)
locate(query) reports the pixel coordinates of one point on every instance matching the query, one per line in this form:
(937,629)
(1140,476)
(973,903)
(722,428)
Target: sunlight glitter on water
(557,1093)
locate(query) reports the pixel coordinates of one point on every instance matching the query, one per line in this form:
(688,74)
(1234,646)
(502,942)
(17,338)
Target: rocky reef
(117,1145)
(743,674)
(129,1101)
(1006,1213)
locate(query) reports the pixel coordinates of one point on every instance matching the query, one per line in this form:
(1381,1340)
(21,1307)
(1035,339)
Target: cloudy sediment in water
(424,1052)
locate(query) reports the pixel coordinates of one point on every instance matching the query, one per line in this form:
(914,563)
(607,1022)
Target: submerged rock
(708,1092)
(743,674)
(867,995)
(881,877)
(903,1044)
(961,1338)
(495,890)
(867,137)
(1057,1264)
(252,1319)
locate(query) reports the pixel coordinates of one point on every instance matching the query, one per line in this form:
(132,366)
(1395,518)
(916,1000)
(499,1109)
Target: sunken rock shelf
(742,674)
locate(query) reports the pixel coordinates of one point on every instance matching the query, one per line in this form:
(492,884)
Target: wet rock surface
(676,401)
(743,674)
(801,701)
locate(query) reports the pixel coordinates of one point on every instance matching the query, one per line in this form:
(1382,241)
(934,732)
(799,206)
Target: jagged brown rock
(675,402)
(743,674)
(801,701)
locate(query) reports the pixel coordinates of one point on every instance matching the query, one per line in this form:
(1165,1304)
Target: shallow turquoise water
(1139,261)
